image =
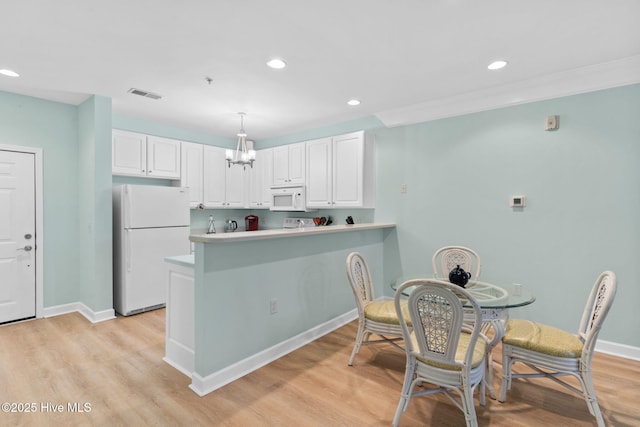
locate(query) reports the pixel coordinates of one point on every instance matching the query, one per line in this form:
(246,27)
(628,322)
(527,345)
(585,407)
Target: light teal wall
(235,281)
(53,127)
(581,184)
(365,123)
(94,196)
(149,127)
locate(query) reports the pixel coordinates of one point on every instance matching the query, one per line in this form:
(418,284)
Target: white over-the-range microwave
(289,199)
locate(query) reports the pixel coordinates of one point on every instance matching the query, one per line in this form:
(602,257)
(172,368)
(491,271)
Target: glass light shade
(229,154)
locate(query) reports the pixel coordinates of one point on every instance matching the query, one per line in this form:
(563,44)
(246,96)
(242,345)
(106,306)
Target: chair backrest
(447,258)
(598,305)
(438,319)
(360,279)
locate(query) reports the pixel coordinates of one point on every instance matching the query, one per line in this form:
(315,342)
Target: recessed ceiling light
(353,102)
(9,73)
(276,63)
(496,65)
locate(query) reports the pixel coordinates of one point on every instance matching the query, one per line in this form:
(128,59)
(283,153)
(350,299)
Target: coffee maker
(251,223)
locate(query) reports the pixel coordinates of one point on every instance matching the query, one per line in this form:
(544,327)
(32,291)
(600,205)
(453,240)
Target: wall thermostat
(517,201)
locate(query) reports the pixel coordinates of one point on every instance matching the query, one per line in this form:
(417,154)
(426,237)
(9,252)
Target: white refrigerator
(149,224)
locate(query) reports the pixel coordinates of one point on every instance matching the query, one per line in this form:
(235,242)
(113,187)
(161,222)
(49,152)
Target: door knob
(26,248)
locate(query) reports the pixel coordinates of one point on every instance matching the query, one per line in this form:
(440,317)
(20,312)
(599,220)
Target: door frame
(39,238)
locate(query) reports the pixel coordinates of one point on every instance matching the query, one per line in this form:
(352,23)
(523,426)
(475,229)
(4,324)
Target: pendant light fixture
(242,156)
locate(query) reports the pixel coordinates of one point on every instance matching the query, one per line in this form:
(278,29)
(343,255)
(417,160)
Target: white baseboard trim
(620,350)
(92,316)
(177,366)
(205,385)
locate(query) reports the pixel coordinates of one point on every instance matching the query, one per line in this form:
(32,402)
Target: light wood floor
(116,367)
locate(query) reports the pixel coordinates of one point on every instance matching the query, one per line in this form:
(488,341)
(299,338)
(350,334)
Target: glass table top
(488,295)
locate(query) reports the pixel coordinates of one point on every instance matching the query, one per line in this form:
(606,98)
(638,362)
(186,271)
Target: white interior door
(17,236)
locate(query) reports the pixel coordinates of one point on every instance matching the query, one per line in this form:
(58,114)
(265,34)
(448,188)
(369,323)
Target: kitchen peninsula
(256,296)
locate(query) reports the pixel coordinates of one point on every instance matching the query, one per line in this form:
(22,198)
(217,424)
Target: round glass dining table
(495,300)
(489,295)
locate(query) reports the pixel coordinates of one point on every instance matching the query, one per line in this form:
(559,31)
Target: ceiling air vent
(144,93)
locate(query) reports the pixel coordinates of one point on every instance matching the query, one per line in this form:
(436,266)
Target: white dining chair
(374,317)
(445,347)
(553,352)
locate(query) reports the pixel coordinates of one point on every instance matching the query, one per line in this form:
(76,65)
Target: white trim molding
(619,350)
(607,75)
(92,316)
(205,385)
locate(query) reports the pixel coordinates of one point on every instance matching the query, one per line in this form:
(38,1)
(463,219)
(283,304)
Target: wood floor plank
(116,367)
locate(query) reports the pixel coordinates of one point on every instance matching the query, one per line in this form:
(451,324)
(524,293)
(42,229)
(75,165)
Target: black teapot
(458,276)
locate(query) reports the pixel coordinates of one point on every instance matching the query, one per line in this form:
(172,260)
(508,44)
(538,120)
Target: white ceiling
(398,57)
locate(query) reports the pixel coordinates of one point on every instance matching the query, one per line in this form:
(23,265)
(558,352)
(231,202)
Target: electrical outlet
(273,306)
(403,188)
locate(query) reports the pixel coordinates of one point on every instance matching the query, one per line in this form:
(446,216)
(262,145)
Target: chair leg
(468,407)
(405,395)
(356,347)
(590,397)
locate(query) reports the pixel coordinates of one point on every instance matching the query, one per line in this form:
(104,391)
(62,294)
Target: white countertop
(184,260)
(284,232)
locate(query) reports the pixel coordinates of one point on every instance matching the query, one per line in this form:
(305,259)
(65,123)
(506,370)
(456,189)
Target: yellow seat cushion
(463,344)
(542,339)
(385,312)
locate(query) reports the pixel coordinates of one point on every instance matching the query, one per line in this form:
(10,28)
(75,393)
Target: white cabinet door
(289,164)
(348,170)
(191,175)
(281,165)
(163,158)
(340,172)
(297,157)
(235,186)
(128,153)
(319,175)
(261,179)
(135,154)
(214,172)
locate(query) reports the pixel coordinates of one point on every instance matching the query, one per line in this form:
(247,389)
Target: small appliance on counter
(251,223)
(230,226)
(298,223)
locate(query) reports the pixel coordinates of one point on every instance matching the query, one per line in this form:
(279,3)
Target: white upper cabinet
(214,177)
(163,157)
(192,168)
(319,175)
(223,187)
(134,154)
(289,164)
(261,179)
(340,172)
(128,153)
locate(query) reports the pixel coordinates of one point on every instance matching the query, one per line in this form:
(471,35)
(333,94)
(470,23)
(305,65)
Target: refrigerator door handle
(127,249)
(127,207)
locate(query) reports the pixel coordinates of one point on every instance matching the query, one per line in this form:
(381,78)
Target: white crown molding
(92,316)
(607,75)
(205,385)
